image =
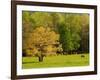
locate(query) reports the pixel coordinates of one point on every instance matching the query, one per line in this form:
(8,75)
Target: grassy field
(56,61)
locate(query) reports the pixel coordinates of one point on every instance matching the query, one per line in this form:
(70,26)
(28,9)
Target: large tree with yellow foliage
(40,39)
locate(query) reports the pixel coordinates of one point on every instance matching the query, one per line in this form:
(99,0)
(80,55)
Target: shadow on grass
(29,62)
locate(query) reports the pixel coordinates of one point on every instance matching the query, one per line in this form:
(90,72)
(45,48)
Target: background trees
(69,30)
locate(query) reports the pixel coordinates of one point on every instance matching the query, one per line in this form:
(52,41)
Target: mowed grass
(56,61)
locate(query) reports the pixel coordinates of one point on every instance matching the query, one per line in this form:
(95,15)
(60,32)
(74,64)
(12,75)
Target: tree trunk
(40,58)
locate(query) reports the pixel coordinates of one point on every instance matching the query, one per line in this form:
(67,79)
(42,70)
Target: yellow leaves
(40,29)
(44,36)
(29,52)
(32,51)
(35,50)
(49,48)
(54,36)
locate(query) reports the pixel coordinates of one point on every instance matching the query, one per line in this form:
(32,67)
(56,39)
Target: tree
(69,30)
(65,38)
(85,33)
(28,26)
(40,38)
(41,19)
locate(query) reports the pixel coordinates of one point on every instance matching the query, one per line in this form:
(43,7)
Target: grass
(56,61)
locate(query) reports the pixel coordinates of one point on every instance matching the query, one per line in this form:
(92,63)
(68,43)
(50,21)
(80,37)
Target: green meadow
(56,61)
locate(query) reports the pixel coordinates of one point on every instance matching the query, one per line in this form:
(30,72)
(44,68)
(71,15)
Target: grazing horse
(82,56)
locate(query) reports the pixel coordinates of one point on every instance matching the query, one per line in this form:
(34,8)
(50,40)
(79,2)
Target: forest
(54,33)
